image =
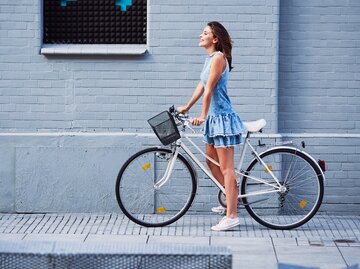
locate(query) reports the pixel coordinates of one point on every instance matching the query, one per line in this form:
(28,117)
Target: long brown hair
(224,40)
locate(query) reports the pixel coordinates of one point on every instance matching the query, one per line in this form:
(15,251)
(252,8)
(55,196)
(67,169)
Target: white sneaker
(226,224)
(219,209)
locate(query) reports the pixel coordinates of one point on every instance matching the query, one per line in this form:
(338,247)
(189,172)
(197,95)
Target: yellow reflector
(160,210)
(268,169)
(303,203)
(146,166)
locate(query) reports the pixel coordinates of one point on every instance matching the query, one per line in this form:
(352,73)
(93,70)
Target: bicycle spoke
(299,184)
(298,175)
(288,170)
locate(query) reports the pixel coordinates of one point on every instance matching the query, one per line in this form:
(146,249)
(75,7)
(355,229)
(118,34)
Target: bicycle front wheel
(148,203)
(301,193)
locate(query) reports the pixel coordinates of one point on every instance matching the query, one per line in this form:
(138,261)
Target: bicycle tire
(141,202)
(296,206)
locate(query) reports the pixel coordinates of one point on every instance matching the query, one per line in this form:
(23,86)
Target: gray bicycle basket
(165,128)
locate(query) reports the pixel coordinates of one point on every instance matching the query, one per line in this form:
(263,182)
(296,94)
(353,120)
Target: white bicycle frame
(238,170)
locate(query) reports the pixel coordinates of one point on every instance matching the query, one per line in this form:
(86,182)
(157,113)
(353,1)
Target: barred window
(94,22)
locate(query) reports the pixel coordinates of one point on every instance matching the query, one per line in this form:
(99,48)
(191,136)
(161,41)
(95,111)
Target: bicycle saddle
(254,126)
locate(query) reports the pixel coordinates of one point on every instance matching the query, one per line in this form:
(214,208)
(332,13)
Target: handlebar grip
(172,109)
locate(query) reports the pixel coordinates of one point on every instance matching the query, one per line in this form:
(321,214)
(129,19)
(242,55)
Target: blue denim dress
(223,127)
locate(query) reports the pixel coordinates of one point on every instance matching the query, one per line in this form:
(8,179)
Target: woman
(222,126)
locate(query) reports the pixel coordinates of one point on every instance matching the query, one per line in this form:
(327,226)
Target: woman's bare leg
(226,160)
(215,170)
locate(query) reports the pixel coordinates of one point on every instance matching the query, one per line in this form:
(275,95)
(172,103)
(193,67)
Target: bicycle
(282,187)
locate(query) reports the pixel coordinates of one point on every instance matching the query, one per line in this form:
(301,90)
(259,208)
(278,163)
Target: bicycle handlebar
(184,119)
(180,116)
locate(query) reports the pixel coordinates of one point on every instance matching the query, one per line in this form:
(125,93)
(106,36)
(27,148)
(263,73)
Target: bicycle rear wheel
(140,199)
(295,204)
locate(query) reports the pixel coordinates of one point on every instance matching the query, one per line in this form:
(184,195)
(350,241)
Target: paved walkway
(325,242)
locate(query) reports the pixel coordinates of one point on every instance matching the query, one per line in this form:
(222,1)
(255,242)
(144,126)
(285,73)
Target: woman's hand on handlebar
(182,109)
(197,121)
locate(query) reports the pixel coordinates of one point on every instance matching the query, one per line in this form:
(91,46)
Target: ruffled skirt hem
(223,125)
(224,141)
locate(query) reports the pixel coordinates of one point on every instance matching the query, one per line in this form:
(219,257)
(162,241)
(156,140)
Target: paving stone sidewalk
(324,242)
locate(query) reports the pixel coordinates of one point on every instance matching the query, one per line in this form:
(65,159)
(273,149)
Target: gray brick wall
(300,74)
(77,173)
(93,93)
(319,82)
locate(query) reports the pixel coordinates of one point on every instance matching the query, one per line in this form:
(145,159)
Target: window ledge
(89,49)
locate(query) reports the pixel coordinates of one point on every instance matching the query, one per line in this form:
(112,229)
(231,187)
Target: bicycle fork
(168,170)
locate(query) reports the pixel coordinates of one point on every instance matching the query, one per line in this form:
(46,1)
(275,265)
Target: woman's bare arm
(195,97)
(217,68)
